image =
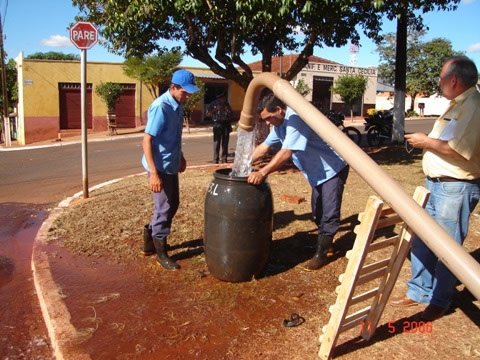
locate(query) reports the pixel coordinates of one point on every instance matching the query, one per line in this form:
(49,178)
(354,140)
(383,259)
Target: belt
(451,179)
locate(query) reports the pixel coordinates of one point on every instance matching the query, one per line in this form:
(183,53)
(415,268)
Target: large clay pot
(238,227)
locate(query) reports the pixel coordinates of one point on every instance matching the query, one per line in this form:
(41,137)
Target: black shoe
(148,247)
(162,257)
(316,262)
(324,249)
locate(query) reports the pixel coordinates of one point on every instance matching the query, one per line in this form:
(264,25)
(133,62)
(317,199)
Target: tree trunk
(398,130)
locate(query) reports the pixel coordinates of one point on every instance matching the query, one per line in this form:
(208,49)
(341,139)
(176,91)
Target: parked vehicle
(338,118)
(379,127)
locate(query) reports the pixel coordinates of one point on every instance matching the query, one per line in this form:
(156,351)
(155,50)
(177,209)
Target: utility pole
(6,119)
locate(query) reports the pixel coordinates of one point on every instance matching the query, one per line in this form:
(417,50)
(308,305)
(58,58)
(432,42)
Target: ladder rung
(371,276)
(374,266)
(388,221)
(363,296)
(351,324)
(386,210)
(355,319)
(381,244)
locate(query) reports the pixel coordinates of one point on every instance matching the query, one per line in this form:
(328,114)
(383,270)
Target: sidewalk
(75,137)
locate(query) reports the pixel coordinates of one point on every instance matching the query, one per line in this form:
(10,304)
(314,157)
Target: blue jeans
(450,204)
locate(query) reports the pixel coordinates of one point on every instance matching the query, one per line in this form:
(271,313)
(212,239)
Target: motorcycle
(379,127)
(337,119)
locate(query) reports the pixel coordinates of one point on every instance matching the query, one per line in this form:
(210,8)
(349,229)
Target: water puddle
(22,332)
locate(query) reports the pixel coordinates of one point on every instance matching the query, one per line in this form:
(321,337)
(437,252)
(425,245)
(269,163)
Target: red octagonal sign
(83,35)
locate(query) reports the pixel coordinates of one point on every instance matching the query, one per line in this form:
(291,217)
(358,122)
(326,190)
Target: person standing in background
(221,113)
(163,160)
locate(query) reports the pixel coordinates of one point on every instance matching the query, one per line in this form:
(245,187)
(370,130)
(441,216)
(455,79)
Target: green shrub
(411,113)
(109,93)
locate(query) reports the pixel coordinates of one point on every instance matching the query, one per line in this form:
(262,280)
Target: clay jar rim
(224,174)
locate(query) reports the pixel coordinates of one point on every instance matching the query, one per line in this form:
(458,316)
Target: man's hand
(155,182)
(183,165)
(256,178)
(417,140)
(440,147)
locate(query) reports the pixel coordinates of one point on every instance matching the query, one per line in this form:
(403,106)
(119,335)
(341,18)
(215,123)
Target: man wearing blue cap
(163,160)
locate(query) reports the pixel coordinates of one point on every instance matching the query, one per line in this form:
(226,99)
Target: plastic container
(238,227)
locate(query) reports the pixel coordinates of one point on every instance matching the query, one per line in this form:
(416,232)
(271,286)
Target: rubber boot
(162,257)
(148,247)
(324,246)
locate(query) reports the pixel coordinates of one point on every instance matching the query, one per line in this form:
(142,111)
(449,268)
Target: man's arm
(440,147)
(278,160)
(260,150)
(155,182)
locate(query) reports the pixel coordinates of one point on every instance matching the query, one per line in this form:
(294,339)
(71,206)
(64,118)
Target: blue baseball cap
(186,80)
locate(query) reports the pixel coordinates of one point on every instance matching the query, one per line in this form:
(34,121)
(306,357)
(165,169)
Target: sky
(31,26)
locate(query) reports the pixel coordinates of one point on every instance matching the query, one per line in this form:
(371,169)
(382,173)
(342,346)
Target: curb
(63,335)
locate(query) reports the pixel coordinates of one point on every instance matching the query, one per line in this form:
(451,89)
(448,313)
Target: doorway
(322,93)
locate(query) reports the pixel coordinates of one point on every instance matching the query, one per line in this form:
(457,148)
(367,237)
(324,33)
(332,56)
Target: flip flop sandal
(294,320)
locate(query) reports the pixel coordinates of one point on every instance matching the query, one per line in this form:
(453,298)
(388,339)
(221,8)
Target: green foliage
(424,62)
(194,98)
(350,87)
(53,55)
(12,86)
(411,113)
(219,33)
(153,71)
(302,88)
(110,93)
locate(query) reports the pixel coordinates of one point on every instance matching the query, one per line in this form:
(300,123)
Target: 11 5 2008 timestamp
(406,326)
(410,327)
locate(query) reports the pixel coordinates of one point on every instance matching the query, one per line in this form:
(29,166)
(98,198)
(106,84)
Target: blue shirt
(165,124)
(310,154)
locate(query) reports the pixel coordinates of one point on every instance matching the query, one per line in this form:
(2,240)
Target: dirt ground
(127,306)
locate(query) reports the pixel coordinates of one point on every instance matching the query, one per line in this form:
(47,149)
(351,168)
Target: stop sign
(83,35)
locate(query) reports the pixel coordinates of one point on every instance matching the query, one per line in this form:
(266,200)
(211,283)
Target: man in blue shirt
(325,171)
(163,160)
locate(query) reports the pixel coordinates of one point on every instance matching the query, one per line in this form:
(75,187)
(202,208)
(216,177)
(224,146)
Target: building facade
(49,95)
(49,98)
(320,75)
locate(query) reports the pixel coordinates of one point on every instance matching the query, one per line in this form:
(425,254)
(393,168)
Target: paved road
(31,182)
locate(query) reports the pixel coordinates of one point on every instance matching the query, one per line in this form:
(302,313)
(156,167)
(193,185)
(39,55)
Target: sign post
(84,35)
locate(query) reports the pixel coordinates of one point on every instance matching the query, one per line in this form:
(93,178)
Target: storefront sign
(340,69)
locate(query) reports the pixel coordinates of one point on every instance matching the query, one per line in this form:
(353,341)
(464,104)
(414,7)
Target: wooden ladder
(366,285)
